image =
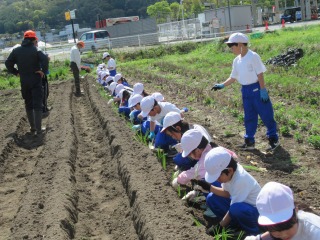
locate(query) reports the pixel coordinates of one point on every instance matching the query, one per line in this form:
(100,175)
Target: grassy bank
(294,90)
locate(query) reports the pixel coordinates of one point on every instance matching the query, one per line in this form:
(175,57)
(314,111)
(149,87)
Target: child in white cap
(142,125)
(195,145)
(279,216)
(118,78)
(124,96)
(237,184)
(138,88)
(175,127)
(157,111)
(248,70)
(111,63)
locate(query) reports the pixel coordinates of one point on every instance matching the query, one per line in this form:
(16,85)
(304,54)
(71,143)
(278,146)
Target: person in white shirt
(248,70)
(282,220)
(111,64)
(75,61)
(237,184)
(156,112)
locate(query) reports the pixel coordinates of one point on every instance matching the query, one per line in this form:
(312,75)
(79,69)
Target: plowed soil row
(86,179)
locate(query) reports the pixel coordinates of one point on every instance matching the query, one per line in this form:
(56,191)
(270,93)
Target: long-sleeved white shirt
(75,56)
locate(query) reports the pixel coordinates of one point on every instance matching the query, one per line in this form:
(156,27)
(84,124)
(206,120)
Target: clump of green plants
(314,140)
(285,131)
(162,156)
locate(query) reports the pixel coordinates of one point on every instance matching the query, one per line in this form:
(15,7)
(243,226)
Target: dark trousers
(45,91)
(76,75)
(31,90)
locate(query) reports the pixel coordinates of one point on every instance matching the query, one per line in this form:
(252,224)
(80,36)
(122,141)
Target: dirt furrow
(16,168)
(103,210)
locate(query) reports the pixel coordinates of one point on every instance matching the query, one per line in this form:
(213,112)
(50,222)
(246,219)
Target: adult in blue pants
(248,70)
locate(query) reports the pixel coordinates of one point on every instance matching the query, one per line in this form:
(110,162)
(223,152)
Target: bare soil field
(88,178)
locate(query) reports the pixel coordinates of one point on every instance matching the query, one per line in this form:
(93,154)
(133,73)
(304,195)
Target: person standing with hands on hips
(111,63)
(32,65)
(75,61)
(248,70)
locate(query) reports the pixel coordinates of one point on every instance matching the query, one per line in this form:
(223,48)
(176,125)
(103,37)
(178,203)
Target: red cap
(81,44)
(30,34)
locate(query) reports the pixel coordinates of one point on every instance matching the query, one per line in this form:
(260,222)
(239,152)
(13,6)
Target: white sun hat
(105,54)
(147,103)
(216,160)
(275,204)
(157,96)
(138,88)
(238,38)
(170,119)
(134,100)
(190,140)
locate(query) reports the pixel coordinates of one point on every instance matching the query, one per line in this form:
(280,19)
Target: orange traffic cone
(283,23)
(267,28)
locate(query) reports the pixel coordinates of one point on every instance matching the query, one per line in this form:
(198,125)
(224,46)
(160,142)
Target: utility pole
(229,12)
(73,16)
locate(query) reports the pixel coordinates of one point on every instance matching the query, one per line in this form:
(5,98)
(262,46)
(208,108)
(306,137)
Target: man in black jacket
(32,64)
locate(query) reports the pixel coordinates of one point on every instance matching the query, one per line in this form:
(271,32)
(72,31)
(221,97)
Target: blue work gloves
(264,95)
(217,86)
(151,135)
(185,109)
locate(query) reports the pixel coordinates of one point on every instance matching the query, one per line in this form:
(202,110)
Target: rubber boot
(38,121)
(30,115)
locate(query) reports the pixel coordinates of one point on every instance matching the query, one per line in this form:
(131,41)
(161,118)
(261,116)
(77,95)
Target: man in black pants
(32,64)
(75,61)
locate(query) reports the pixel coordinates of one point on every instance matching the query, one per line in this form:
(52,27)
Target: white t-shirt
(242,187)
(202,130)
(111,64)
(75,56)
(166,107)
(246,69)
(308,227)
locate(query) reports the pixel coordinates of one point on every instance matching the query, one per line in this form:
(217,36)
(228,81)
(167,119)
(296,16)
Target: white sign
(73,14)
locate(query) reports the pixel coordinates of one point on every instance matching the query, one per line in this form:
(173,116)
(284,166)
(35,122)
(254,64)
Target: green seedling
(162,157)
(197,222)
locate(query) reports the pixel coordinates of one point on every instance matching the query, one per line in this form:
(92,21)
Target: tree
(175,11)
(160,10)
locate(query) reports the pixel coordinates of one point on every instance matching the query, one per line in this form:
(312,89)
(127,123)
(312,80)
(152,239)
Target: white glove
(136,127)
(199,188)
(178,147)
(110,101)
(191,195)
(131,116)
(252,238)
(175,183)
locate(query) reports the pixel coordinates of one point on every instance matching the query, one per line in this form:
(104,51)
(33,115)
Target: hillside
(19,15)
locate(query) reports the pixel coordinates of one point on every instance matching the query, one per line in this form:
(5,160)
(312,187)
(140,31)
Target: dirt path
(103,207)
(86,179)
